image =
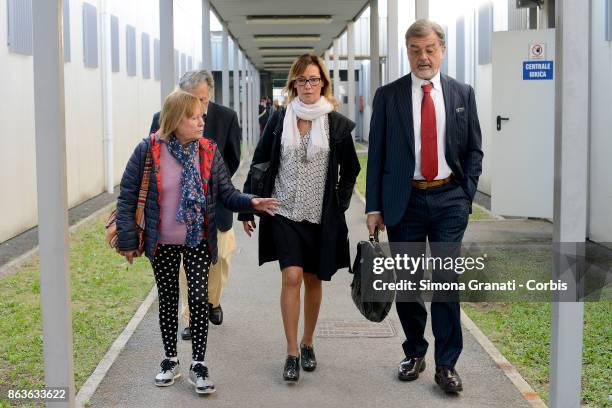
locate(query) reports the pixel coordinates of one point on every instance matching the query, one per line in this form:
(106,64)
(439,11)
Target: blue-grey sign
(537,70)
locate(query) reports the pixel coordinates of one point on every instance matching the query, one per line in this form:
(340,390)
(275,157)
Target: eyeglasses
(312,81)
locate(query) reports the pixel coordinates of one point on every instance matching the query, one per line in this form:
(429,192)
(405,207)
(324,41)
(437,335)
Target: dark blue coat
(391,157)
(220,187)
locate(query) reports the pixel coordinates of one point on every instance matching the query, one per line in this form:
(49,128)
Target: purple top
(170,230)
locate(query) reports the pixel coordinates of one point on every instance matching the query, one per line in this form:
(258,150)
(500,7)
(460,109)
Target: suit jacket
(222,127)
(391,157)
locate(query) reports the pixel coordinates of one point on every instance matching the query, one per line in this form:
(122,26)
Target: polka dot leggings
(196,261)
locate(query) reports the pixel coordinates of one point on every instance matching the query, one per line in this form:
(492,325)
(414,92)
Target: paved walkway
(246,354)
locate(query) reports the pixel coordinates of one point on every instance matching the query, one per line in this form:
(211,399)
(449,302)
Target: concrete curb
(13,265)
(508,369)
(94,380)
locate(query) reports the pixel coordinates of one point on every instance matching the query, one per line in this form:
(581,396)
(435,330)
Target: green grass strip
(521,332)
(105,290)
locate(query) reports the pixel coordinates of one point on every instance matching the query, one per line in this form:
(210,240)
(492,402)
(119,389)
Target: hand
(249,227)
(375,221)
(130,255)
(265,205)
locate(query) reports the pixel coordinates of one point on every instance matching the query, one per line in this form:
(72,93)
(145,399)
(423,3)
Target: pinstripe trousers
(438,215)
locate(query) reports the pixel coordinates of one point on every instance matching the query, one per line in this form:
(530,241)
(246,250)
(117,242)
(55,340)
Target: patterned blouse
(300,184)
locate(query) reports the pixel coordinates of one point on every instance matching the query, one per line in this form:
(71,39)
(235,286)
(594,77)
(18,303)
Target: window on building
(146,56)
(90,36)
(66,23)
(130,50)
(156,60)
(19,24)
(114,21)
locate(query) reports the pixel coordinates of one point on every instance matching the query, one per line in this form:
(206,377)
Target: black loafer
(291,372)
(186,334)
(309,361)
(410,368)
(448,379)
(215,314)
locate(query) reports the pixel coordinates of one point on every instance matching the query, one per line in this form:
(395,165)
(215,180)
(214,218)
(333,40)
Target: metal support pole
(50,128)
(393,57)
(374,49)
(572,115)
(206,41)
(166,47)
(351,70)
(236,80)
(107,97)
(421,9)
(336,78)
(245,99)
(225,88)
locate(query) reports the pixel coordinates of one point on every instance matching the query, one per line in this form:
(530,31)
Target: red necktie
(429,137)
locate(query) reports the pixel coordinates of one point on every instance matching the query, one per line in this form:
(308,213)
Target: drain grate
(354,328)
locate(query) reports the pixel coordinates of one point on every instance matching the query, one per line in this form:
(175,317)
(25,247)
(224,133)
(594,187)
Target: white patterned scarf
(314,112)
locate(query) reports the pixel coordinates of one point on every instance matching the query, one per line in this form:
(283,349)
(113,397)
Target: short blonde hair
(299,66)
(178,105)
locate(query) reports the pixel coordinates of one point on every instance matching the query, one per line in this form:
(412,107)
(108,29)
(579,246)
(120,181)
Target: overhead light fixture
(285,50)
(289,19)
(287,37)
(278,59)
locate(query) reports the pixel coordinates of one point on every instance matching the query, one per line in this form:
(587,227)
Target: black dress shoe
(291,372)
(186,334)
(215,314)
(410,368)
(309,361)
(448,379)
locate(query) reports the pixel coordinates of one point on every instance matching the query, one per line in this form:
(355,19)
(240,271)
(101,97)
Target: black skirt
(297,243)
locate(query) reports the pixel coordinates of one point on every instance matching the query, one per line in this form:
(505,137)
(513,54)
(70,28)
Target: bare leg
(290,305)
(313,292)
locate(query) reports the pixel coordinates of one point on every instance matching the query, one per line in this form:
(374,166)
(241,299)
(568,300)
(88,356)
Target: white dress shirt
(438,100)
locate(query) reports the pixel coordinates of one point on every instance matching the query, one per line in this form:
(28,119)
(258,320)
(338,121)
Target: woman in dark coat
(313,171)
(187,176)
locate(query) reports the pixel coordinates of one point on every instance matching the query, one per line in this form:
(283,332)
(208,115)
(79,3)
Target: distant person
(424,161)
(275,106)
(188,177)
(220,125)
(313,167)
(263,114)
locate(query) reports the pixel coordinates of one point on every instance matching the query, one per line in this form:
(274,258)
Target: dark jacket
(220,125)
(336,198)
(391,157)
(220,188)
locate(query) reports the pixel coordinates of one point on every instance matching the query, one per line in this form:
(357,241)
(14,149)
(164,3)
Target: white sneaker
(198,376)
(168,373)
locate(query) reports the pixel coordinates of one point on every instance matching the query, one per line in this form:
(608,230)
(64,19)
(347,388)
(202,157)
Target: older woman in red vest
(188,175)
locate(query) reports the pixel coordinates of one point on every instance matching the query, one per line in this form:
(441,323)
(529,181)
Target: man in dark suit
(424,161)
(221,125)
